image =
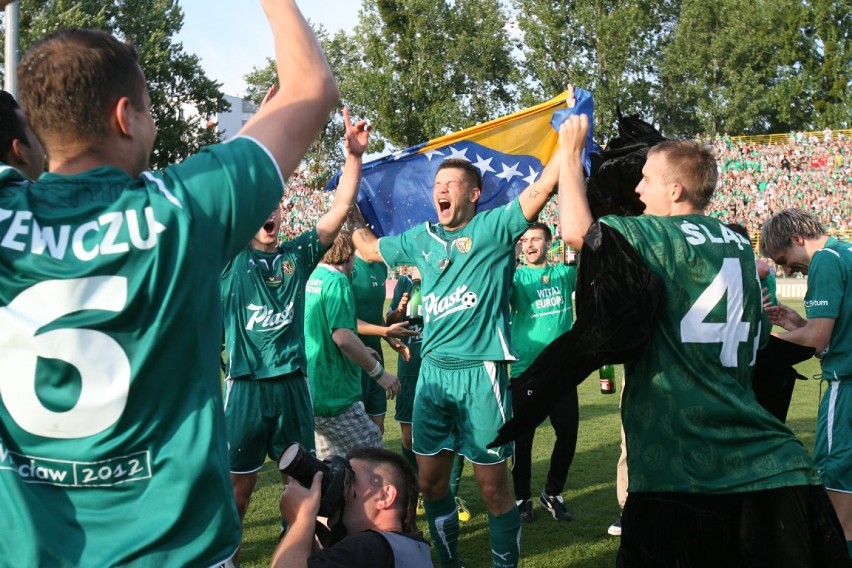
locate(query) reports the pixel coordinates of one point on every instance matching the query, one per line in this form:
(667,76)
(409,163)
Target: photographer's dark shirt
(367,549)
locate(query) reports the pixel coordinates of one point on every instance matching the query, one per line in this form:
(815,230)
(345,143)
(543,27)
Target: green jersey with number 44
(112,434)
(689,413)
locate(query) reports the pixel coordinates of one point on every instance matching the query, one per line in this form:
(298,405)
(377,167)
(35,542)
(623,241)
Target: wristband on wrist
(377,371)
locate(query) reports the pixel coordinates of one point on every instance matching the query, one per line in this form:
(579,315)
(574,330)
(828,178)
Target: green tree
(175,78)
(426,68)
(605,46)
(829,69)
(757,66)
(416,69)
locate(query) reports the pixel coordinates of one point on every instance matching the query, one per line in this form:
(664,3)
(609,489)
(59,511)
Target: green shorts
(265,416)
(459,406)
(833,442)
(404,402)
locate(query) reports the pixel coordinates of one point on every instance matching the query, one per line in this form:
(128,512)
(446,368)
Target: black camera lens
(298,463)
(301,465)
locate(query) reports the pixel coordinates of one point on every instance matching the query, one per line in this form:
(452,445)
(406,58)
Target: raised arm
(355,139)
(535,197)
(288,123)
(575,217)
(363,238)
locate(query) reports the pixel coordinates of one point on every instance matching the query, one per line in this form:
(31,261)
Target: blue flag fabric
(510,153)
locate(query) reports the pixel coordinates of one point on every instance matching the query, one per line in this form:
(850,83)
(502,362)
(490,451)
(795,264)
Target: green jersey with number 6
(690,417)
(112,435)
(466,278)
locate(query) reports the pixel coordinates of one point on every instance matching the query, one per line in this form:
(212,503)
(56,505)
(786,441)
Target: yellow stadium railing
(783,138)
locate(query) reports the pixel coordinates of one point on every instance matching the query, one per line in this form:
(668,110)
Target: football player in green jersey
(19,146)
(368,287)
(404,307)
(466,262)
(336,357)
(268,403)
(541,312)
(715,479)
(112,433)
(797,241)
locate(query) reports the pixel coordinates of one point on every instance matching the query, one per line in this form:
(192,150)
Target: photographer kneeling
(378,515)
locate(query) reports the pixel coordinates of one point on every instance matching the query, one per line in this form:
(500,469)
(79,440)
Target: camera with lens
(301,465)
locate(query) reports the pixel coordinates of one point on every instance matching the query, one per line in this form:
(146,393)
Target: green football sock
(505,537)
(444,528)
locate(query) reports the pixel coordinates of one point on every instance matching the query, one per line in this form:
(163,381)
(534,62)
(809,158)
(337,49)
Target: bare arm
(535,197)
(299,507)
(398,315)
(359,354)
(355,139)
(397,329)
(288,123)
(575,217)
(364,239)
(815,333)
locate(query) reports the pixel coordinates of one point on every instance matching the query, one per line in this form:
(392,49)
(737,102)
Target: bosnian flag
(510,153)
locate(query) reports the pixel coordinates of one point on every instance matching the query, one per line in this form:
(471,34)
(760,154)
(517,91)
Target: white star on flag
(431,153)
(530,179)
(509,172)
(460,154)
(483,164)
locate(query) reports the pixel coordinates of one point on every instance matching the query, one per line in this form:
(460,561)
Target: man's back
(329,305)
(109,334)
(690,416)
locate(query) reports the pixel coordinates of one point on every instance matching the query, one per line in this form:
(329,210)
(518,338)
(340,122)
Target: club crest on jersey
(463,245)
(545,279)
(287,267)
